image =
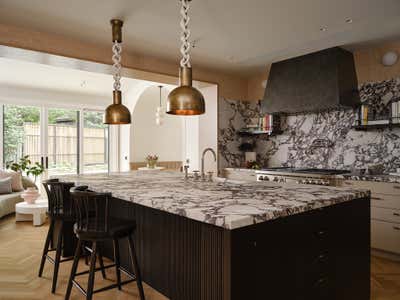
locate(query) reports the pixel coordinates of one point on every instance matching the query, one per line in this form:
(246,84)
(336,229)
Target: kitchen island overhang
(235,240)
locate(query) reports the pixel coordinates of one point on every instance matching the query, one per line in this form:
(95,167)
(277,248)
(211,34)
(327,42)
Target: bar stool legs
(57,259)
(117,262)
(49,238)
(136,267)
(89,294)
(92,270)
(73,270)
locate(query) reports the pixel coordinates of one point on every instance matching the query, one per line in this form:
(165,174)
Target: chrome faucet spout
(203,175)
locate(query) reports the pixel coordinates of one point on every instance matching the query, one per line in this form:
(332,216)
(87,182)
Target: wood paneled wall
(168,165)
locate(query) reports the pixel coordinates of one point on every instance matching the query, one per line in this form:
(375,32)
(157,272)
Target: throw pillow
(5,185)
(16,180)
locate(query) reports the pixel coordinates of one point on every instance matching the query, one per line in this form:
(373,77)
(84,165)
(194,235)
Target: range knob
(266,178)
(276,179)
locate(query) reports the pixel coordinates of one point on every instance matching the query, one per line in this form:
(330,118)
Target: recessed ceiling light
(349,21)
(323,28)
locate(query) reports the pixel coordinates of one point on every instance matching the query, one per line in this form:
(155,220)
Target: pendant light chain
(185,48)
(116,58)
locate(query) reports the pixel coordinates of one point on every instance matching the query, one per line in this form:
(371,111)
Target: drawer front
(385,201)
(385,214)
(385,236)
(375,187)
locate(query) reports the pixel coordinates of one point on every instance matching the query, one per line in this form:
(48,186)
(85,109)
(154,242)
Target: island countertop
(225,203)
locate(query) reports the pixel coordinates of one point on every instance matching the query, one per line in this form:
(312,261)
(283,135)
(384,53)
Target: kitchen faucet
(203,175)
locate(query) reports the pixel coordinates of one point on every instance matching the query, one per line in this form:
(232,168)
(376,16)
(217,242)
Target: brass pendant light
(117,113)
(185,99)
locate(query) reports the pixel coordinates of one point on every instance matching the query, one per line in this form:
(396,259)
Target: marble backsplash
(344,147)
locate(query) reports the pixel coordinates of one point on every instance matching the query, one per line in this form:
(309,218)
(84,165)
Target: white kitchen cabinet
(385,213)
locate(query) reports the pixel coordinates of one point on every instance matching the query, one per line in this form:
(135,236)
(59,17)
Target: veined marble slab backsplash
(349,148)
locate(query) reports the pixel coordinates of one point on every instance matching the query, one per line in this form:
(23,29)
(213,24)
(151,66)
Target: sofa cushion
(7,203)
(5,185)
(16,183)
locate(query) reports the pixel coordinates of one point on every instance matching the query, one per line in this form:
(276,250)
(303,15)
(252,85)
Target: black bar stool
(60,210)
(94,224)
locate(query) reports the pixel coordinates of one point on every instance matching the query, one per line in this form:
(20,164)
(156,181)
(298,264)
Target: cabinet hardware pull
(320,282)
(396,228)
(396,214)
(376,198)
(397,187)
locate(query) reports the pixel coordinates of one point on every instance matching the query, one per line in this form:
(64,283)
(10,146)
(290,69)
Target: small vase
(151,164)
(30,195)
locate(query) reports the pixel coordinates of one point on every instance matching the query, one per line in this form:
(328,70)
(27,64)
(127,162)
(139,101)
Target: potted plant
(25,165)
(151,161)
(36,170)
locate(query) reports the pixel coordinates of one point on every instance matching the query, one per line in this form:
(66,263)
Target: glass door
(95,143)
(62,141)
(21,133)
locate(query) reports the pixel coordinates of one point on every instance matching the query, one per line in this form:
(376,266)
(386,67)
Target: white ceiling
(44,77)
(232,35)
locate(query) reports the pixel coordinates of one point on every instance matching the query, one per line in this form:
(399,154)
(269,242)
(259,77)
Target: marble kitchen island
(243,240)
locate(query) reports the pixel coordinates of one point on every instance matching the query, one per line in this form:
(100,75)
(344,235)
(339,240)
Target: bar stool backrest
(59,198)
(92,210)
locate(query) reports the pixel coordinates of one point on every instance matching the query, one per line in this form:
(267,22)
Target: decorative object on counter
(117,113)
(389,58)
(159,111)
(30,195)
(185,100)
(151,161)
(252,165)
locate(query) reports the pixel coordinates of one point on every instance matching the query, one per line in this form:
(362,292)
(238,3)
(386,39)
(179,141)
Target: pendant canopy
(185,100)
(117,113)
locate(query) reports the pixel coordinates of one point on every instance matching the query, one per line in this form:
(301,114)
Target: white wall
(148,138)
(208,127)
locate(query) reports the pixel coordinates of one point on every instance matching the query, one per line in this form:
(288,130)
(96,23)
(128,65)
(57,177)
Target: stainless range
(300,176)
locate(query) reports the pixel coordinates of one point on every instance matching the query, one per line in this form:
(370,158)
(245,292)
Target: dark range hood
(310,83)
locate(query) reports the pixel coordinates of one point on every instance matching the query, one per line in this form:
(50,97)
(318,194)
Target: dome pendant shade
(185,100)
(117,113)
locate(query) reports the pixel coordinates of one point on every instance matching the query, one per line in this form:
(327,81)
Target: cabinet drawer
(385,214)
(385,236)
(386,188)
(385,201)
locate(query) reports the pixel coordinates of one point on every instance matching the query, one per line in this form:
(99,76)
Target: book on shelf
(396,112)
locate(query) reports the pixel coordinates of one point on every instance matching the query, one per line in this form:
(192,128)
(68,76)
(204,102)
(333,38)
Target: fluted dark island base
(320,254)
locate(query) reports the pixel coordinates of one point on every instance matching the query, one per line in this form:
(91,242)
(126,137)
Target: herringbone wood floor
(20,249)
